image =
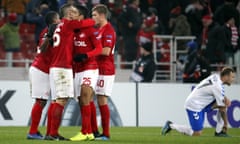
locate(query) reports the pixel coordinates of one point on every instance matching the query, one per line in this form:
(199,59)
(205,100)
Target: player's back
(62,45)
(43,59)
(204,93)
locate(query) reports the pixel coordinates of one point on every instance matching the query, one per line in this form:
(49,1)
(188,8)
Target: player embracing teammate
(88,72)
(77,47)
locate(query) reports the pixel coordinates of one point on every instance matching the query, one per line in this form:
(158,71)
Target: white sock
(182,129)
(220,123)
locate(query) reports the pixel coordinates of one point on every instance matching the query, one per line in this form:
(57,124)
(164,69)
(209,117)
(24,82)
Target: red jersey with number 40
(43,59)
(86,41)
(63,41)
(108,39)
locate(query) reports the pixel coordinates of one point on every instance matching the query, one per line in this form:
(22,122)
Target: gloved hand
(51,30)
(80,57)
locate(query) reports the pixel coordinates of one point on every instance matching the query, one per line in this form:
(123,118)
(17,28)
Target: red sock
(36,116)
(57,111)
(105,118)
(49,118)
(93,117)
(86,119)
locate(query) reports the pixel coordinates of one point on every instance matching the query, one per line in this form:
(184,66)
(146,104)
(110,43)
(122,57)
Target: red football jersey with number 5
(63,41)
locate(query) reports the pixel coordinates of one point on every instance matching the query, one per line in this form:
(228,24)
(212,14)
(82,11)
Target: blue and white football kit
(202,98)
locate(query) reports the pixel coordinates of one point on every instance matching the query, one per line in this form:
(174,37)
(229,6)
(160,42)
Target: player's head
(82,11)
(100,13)
(227,75)
(68,11)
(52,17)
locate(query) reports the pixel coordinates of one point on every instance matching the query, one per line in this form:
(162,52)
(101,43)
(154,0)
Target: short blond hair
(226,71)
(101,9)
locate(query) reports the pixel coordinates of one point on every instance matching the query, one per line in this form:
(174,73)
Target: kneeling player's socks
(36,116)
(93,117)
(105,118)
(182,129)
(56,118)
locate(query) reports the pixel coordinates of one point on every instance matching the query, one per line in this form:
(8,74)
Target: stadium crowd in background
(136,21)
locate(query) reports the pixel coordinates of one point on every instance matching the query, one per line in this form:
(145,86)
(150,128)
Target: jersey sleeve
(108,38)
(218,93)
(78,24)
(96,41)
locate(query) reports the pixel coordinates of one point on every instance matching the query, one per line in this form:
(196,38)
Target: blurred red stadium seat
(2,52)
(18,56)
(26,28)
(28,49)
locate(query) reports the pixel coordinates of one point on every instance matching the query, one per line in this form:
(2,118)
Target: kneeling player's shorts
(87,77)
(61,82)
(196,119)
(105,85)
(39,83)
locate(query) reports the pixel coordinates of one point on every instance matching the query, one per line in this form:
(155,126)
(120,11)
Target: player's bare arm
(227,101)
(223,113)
(106,51)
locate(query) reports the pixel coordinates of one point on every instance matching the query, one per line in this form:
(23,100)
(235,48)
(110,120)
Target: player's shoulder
(109,26)
(215,79)
(109,30)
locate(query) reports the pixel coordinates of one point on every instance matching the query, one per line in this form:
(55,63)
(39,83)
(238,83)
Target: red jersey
(43,59)
(63,41)
(86,41)
(108,39)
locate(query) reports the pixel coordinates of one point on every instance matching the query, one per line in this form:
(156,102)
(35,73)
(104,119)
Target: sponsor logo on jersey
(80,43)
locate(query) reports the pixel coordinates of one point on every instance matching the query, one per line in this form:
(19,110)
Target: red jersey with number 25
(43,59)
(108,39)
(63,41)
(86,41)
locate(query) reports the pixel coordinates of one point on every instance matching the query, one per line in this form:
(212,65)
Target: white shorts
(61,82)
(105,85)
(88,77)
(39,83)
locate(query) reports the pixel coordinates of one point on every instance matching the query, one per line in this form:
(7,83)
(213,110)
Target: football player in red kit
(106,69)
(61,72)
(87,45)
(39,78)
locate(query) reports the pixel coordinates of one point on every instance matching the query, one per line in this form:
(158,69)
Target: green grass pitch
(123,135)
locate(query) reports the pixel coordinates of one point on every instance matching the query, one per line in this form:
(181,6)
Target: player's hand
(51,30)
(80,57)
(227,101)
(224,129)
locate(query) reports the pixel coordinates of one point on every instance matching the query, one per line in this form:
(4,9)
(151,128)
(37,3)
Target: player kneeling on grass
(209,94)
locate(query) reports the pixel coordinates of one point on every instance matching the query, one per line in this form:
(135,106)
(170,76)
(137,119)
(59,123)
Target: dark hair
(148,46)
(226,71)
(50,17)
(82,10)
(62,10)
